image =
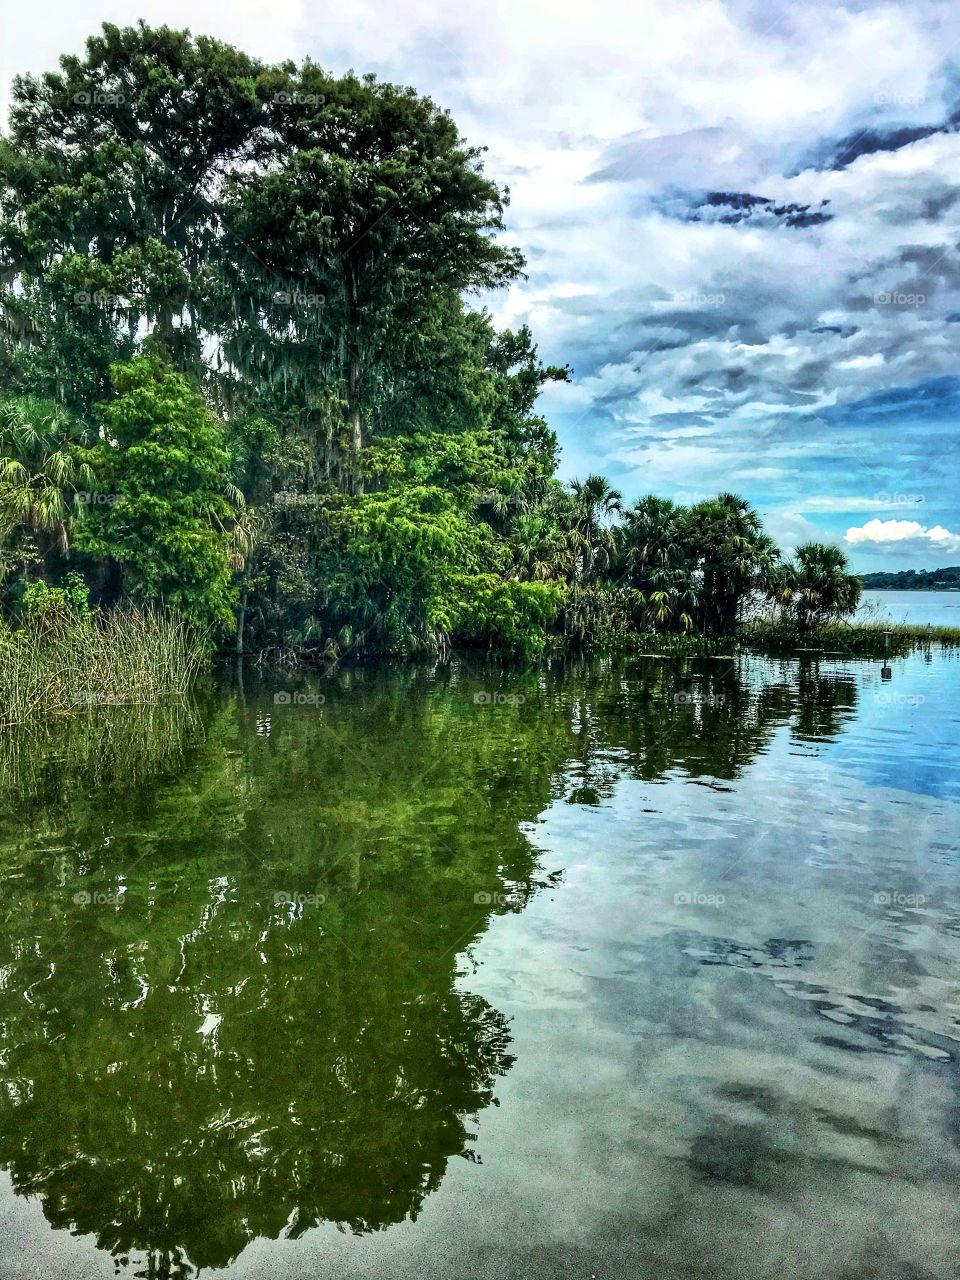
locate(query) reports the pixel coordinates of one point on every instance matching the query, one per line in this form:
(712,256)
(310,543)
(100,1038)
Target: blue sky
(741,224)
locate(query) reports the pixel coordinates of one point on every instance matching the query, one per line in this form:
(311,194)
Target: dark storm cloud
(838,153)
(871,139)
(732,208)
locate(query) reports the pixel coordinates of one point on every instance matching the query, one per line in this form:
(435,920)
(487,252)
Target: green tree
(299,246)
(43,471)
(168,508)
(594,505)
(109,193)
(652,536)
(733,557)
(343,245)
(538,547)
(658,561)
(817,586)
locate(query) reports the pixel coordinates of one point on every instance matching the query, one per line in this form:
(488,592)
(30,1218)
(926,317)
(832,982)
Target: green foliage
(40,601)
(77,594)
(350,242)
(163,469)
(816,587)
(43,474)
(389,562)
(601,615)
(108,200)
(252,280)
(594,503)
(508,616)
(731,559)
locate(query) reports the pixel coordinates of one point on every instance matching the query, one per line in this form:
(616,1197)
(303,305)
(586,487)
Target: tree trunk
(356,430)
(355,419)
(241,619)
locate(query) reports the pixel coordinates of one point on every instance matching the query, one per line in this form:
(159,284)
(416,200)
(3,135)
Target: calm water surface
(643,970)
(939,608)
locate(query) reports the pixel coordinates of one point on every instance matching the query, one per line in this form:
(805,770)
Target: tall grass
(852,639)
(775,636)
(60,663)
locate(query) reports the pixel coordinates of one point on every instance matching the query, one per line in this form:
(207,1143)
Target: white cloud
(852,503)
(862,362)
(713,95)
(904,531)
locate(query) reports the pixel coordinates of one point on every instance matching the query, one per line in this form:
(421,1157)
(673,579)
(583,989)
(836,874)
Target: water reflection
(236,940)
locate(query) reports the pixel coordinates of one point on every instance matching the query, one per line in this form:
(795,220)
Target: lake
(938,608)
(640,969)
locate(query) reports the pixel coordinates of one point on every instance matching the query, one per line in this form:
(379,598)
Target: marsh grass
(837,639)
(62,663)
(846,639)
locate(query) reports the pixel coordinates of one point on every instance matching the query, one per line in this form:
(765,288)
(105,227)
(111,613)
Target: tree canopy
(246,373)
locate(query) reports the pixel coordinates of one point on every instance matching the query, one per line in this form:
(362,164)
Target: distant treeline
(914,580)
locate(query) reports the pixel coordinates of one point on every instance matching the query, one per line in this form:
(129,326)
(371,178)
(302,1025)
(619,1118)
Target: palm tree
(734,555)
(653,534)
(818,586)
(672,597)
(656,558)
(42,472)
(537,547)
(594,504)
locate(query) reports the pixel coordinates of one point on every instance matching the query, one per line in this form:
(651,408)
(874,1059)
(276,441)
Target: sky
(741,224)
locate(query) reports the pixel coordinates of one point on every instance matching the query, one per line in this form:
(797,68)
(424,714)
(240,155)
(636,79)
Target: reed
(62,663)
(846,639)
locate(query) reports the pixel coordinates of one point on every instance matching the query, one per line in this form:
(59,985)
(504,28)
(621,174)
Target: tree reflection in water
(233,938)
